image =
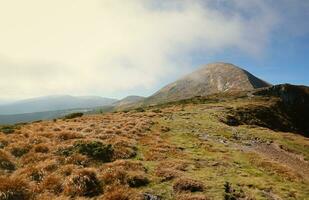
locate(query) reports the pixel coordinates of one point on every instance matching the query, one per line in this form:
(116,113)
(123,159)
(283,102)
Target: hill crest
(209,79)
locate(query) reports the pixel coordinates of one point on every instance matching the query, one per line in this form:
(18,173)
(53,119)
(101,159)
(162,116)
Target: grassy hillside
(181,150)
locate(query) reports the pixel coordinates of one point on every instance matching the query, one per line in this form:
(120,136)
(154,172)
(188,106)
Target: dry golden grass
(115,176)
(51,183)
(6,162)
(167,174)
(41,148)
(156,152)
(14,189)
(41,155)
(122,172)
(83,182)
(188,185)
(121,193)
(274,167)
(137,179)
(192,197)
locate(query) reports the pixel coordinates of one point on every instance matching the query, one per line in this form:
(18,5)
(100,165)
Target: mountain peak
(209,79)
(220,67)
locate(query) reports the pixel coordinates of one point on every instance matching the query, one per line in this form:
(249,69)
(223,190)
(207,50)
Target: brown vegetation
(186,184)
(14,189)
(82,183)
(174,151)
(53,159)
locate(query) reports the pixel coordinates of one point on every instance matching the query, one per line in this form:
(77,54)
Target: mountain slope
(179,150)
(53,103)
(210,79)
(128,100)
(288,113)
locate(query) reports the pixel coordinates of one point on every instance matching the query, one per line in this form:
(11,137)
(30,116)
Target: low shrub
(19,151)
(95,150)
(140,109)
(8,129)
(3,143)
(73,115)
(65,151)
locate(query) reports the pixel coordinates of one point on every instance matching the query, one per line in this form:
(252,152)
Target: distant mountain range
(29,117)
(49,107)
(53,103)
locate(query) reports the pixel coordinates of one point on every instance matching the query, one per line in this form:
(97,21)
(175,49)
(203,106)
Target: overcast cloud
(100,46)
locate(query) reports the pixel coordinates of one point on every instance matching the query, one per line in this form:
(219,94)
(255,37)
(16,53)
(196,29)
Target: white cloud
(102,46)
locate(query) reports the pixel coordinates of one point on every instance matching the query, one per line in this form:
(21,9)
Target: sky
(115,48)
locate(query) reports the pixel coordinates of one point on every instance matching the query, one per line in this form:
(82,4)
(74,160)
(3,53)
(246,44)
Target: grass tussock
(14,189)
(19,151)
(121,193)
(186,184)
(137,180)
(9,129)
(122,172)
(52,183)
(6,161)
(83,183)
(41,148)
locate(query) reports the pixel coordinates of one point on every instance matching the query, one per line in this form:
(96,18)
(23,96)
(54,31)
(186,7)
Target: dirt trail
(274,152)
(270,151)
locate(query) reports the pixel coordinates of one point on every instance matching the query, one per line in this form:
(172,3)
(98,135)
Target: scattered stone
(148,196)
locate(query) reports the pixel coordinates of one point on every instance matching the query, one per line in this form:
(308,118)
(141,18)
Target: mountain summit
(210,79)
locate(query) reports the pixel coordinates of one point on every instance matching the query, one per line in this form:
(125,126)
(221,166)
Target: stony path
(270,151)
(274,152)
